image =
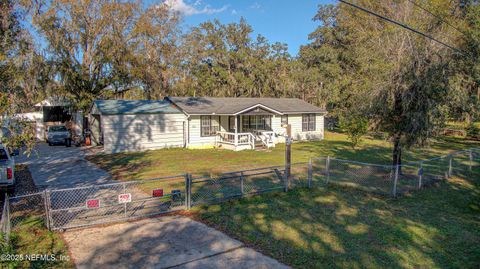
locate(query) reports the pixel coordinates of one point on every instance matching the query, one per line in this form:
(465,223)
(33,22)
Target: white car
(7,169)
(59,134)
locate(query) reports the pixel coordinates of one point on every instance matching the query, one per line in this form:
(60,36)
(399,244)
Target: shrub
(355,126)
(473,131)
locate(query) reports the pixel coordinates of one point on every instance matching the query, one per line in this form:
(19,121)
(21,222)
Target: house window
(256,123)
(308,122)
(284,120)
(209,126)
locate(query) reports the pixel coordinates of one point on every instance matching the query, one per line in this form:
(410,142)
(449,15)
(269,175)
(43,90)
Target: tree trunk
(397,151)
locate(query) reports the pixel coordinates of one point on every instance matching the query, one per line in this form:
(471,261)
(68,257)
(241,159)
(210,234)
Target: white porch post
(236,131)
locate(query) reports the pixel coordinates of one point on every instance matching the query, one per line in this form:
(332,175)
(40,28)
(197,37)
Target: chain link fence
(77,207)
(99,204)
(20,211)
(394,179)
(247,182)
(370,177)
(5,224)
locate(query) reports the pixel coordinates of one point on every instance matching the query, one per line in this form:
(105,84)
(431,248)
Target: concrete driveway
(167,242)
(57,167)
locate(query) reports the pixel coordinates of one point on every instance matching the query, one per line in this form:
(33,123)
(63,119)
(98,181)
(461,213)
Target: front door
(231,124)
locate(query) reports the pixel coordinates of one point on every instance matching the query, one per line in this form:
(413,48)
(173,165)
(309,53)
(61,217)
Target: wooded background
(369,73)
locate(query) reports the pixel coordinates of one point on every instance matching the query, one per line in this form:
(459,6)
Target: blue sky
(286,21)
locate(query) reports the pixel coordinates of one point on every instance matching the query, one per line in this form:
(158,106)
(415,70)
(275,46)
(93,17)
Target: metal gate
(99,204)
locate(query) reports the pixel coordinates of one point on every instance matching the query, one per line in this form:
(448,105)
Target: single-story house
(203,122)
(134,125)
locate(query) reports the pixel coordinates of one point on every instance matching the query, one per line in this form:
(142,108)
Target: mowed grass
(333,226)
(176,161)
(338,227)
(30,237)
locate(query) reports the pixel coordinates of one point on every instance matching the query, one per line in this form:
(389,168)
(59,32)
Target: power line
(436,16)
(402,25)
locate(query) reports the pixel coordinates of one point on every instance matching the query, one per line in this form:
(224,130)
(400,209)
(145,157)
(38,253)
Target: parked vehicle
(7,169)
(59,134)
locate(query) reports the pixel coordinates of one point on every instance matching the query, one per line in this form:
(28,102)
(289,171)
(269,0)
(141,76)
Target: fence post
(125,204)
(9,220)
(395,180)
(470,156)
(450,166)
(241,182)
(5,220)
(47,211)
(327,168)
(310,173)
(420,175)
(285,179)
(188,191)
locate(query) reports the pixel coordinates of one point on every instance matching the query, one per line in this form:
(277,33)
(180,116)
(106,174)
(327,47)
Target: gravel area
(24,183)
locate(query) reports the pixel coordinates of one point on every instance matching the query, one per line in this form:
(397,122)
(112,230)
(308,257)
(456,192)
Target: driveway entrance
(56,167)
(167,242)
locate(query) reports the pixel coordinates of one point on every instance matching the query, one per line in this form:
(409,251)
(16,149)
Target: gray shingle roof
(116,107)
(223,105)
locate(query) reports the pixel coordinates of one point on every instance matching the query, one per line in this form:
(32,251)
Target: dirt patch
(24,183)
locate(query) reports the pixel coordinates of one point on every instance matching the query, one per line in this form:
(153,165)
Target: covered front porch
(248,130)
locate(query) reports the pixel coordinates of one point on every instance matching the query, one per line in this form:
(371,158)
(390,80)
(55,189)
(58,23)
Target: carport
(53,111)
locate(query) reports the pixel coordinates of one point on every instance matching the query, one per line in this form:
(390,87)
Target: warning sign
(124,198)
(93,203)
(157,193)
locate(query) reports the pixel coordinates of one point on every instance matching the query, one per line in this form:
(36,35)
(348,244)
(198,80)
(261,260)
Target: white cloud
(234,12)
(186,9)
(255,6)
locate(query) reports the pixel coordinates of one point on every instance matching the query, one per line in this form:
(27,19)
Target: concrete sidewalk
(172,241)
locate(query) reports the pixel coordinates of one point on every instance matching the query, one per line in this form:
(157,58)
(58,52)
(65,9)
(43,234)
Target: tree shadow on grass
(340,227)
(343,150)
(122,166)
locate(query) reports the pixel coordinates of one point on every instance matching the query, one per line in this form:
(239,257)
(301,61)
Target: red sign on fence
(93,203)
(124,198)
(157,193)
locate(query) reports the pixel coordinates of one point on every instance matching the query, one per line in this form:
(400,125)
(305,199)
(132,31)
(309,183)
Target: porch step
(259,145)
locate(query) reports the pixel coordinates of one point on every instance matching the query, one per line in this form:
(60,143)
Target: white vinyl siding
(195,138)
(295,121)
(142,131)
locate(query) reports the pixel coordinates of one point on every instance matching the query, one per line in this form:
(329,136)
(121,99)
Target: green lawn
(337,227)
(29,234)
(331,227)
(168,162)
(460,125)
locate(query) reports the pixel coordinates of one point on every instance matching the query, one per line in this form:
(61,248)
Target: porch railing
(267,138)
(236,139)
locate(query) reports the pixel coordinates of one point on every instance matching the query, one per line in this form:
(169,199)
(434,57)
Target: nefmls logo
(40,257)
